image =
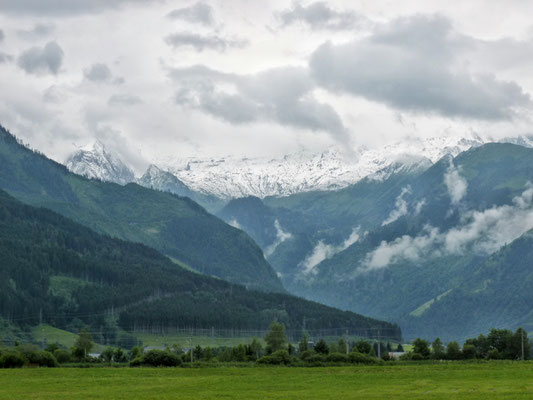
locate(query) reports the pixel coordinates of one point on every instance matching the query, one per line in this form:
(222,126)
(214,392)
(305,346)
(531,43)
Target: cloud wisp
(281,236)
(400,207)
(200,12)
(323,251)
(204,42)
(319,15)
(483,232)
(455,183)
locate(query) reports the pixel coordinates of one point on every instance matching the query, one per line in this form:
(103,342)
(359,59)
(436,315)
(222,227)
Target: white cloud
(456,184)
(323,251)
(400,207)
(483,232)
(281,236)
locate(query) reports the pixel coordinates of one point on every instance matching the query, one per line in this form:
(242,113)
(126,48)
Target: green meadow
(452,380)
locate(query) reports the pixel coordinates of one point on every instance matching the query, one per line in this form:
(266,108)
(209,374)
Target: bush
(316,359)
(277,358)
(417,357)
(337,357)
(494,355)
(62,356)
(359,358)
(47,359)
(157,358)
(12,359)
(304,355)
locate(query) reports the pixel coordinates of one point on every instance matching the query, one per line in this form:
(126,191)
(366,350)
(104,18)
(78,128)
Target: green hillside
(176,226)
(410,291)
(58,272)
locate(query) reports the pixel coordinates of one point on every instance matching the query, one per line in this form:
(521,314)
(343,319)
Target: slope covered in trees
(59,272)
(175,226)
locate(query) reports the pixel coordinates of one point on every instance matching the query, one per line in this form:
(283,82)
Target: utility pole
(379,345)
(190,347)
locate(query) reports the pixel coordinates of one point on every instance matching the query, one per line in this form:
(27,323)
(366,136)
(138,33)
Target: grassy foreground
(415,381)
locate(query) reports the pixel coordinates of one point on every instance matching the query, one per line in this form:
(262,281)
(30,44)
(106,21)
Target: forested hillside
(176,226)
(59,272)
(423,238)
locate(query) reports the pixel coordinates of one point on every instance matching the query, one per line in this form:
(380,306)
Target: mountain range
(433,248)
(65,261)
(225,178)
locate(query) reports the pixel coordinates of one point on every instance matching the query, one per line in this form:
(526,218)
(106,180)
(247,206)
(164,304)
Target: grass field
(416,381)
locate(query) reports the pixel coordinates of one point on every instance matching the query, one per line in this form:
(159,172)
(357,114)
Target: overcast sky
(159,78)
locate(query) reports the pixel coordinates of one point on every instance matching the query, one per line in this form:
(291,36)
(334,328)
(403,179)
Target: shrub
(12,359)
(417,357)
(337,357)
(47,359)
(157,358)
(316,359)
(321,347)
(360,358)
(62,356)
(277,358)
(304,355)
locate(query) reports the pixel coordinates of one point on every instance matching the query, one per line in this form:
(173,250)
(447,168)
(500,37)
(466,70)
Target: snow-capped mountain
(156,178)
(233,177)
(95,162)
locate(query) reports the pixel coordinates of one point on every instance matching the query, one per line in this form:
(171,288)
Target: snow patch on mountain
(95,162)
(233,177)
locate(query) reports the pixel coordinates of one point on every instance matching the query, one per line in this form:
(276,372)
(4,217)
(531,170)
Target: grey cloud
(319,15)
(280,95)
(98,72)
(202,42)
(200,12)
(63,7)
(408,65)
(2,35)
(38,31)
(47,59)
(124,100)
(4,58)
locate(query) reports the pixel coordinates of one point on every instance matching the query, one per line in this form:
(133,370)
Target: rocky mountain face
(95,162)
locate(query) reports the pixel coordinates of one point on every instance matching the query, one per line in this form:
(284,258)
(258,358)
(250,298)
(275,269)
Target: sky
(153,79)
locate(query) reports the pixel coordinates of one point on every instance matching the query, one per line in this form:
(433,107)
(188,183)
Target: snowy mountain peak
(93,161)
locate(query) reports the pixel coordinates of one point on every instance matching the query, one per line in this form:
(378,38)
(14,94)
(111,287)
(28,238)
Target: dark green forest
(59,272)
(176,226)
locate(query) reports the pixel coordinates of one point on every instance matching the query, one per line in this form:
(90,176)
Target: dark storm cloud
(280,95)
(202,42)
(37,60)
(63,7)
(98,72)
(319,15)
(200,12)
(408,64)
